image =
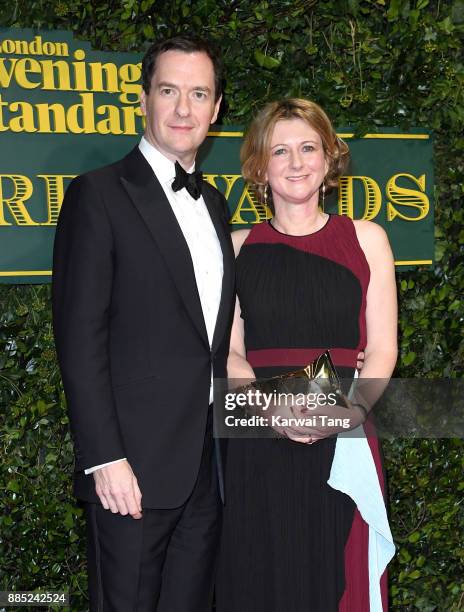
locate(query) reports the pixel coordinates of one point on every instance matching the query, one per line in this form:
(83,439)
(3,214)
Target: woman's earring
(323,196)
(265,194)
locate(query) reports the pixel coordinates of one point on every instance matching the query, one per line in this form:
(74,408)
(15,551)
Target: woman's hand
(310,425)
(280,414)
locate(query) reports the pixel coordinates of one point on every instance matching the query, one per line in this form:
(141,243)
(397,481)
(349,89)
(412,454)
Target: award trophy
(317,377)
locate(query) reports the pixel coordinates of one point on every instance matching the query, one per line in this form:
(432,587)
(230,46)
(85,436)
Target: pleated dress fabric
(290,542)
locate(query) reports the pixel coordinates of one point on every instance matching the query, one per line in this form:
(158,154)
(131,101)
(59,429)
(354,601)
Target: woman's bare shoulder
(369,229)
(373,239)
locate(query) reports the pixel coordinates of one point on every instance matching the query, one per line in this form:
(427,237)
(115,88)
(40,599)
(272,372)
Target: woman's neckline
(301,235)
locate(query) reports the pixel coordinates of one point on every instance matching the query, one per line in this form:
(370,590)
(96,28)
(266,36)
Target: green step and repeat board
(66,109)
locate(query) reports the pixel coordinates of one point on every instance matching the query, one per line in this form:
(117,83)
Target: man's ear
(217,106)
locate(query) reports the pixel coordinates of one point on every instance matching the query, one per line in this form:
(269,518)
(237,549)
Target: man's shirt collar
(161,165)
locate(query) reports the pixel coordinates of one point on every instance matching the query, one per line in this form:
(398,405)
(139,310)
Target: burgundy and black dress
(291,542)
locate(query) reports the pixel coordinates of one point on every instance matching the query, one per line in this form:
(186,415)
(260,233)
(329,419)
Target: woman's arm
(237,365)
(381,309)
(381,321)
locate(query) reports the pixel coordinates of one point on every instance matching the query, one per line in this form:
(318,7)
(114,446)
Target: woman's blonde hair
(255,151)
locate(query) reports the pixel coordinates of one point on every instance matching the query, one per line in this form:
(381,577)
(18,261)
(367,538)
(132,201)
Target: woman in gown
(306,282)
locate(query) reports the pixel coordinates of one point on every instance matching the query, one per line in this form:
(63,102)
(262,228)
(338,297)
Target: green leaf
(68,521)
(446,25)
(457,12)
(13,485)
(393,10)
(353,6)
(41,407)
(409,358)
(414,537)
(266,61)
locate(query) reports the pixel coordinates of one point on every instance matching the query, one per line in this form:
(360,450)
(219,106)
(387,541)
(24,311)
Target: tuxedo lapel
(214,207)
(150,200)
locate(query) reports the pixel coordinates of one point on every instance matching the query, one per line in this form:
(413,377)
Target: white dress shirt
(202,241)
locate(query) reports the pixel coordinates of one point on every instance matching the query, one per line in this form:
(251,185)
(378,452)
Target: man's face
(180,106)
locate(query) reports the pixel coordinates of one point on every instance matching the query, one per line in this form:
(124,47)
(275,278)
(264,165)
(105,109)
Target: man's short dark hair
(185,44)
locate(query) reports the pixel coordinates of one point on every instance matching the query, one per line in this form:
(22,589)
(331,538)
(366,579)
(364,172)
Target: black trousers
(163,562)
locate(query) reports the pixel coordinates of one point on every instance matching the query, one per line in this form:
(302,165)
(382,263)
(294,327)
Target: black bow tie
(192,182)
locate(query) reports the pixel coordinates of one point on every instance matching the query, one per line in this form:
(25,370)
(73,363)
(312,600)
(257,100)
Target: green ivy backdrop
(368,63)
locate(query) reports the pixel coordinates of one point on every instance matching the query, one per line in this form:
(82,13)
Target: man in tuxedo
(142,309)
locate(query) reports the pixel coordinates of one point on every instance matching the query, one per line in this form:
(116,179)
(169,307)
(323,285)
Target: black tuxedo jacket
(129,329)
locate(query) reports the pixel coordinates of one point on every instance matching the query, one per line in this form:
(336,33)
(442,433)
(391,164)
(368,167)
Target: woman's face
(297,163)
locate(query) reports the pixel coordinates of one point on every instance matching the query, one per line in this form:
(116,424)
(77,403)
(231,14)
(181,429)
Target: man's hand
(117,488)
